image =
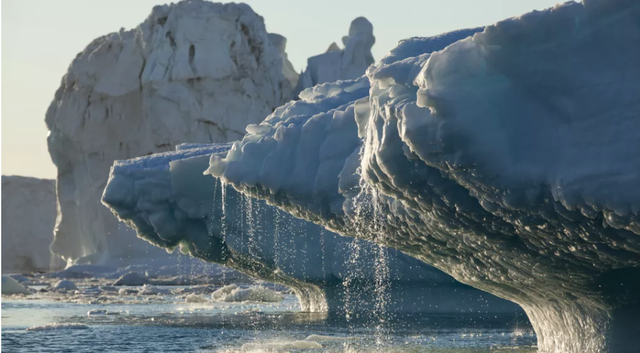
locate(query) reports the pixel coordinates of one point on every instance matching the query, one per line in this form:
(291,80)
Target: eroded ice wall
(28,217)
(191,72)
(509,160)
(171,203)
(341,64)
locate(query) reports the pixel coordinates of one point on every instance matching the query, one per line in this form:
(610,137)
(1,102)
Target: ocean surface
(164,322)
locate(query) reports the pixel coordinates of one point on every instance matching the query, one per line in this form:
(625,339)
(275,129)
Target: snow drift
(28,217)
(191,72)
(170,203)
(509,160)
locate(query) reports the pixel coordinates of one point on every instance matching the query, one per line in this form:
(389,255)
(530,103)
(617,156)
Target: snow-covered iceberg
(336,64)
(509,160)
(28,217)
(194,71)
(171,203)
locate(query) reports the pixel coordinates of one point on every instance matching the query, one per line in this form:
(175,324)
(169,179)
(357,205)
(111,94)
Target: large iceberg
(336,64)
(509,160)
(28,217)
(194,71)
(170,203)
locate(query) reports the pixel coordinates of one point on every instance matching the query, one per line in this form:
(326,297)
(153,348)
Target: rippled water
(167,324)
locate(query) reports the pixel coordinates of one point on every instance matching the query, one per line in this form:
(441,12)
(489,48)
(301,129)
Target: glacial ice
(509,160)
(288,71)
(233,293)
(346,64)
(194,71)
(170,203)
(28,217)
(11,286)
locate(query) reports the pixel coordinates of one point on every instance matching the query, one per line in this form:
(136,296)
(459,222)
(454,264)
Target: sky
(41,37)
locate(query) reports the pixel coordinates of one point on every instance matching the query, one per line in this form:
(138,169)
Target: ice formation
(509,160)
(194,71)
(170,203)
(288,71)
(233,293)
(28,217)
(11,286)
(346,64)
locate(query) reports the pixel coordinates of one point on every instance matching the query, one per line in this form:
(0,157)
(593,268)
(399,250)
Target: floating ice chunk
(56,326)
(194,298)
(11,286)
(322,338)
(233,293)
(65,285)
(29,211)
(127,291)
(97,312)
(153,290)
(280,345)
(132,279)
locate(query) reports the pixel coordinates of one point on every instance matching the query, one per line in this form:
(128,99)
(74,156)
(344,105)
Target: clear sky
(41,37)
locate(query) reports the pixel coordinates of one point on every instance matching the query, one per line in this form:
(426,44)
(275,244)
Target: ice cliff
(28,216)
(336,64)
(170,203)
(509,160)
(191,72)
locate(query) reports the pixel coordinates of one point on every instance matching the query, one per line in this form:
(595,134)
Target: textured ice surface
(170,203)
(195,71)
(28,218)
(336,64)
(288,71)
(509,159)
(233,293)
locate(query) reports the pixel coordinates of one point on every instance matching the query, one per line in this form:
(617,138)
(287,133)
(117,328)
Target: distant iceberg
(194,71)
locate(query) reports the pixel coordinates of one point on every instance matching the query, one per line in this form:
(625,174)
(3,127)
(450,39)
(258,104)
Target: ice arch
(170,203)
(509,160)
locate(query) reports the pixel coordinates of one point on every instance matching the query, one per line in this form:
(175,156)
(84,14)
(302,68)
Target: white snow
(11,286)
(346,64)
(509,160)
(195,71)
(28,218)
(233,293)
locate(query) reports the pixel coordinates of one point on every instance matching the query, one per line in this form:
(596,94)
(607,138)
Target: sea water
(165,322)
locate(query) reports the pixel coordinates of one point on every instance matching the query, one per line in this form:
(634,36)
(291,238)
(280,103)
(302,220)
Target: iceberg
(28,217)
(508,159)
(11,286)
(336,64)
(168,200)
(194,71)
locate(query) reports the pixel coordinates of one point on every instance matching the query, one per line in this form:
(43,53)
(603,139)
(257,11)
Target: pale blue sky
(41,37)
